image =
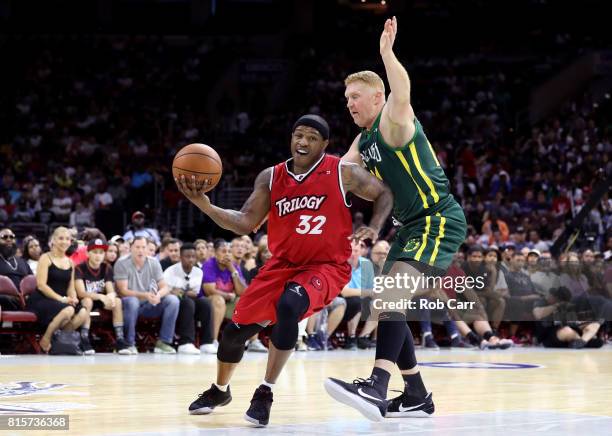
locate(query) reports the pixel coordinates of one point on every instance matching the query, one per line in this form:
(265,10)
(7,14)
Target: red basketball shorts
(323,282)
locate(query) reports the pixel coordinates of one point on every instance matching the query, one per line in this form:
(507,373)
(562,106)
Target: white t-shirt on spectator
(103,199)
(62,206)
(176,277)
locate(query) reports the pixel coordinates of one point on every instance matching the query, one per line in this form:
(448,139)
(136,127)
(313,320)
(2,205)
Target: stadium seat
(23,323)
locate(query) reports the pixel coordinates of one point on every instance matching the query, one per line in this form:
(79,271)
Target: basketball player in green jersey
(393,146)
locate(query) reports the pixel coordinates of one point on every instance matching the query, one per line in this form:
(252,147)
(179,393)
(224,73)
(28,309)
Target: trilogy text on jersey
(286,205)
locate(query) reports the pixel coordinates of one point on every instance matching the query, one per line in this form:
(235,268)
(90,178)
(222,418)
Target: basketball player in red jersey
(308,234)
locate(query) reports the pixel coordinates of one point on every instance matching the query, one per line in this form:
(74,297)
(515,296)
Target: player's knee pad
(231,347)
(292,304)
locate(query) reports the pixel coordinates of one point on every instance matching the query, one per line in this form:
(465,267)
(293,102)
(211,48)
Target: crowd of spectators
(96,120)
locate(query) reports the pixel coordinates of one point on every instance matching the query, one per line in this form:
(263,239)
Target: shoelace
(363,382)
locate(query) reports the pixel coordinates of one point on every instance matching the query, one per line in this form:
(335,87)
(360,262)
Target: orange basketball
(198,160)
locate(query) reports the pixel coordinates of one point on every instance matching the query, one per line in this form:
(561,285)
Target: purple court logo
(480,365)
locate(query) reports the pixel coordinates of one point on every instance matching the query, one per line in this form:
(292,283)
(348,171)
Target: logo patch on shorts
(412,245)
(316,282)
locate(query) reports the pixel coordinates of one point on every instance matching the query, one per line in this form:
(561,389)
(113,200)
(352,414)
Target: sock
(118,331)
(270,385)
(84,333)
(222,388)
(487,335)
(413,384)
(473,338)
(381,380)
(426,334)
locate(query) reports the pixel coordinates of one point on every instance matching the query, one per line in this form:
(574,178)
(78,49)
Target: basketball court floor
(516,391)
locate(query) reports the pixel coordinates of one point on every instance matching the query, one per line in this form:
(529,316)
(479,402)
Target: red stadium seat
(24,323)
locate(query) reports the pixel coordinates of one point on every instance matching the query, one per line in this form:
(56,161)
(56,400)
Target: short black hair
(475,249)
(218,243)
(187,246)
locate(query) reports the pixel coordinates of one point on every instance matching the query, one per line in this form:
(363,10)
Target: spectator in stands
(31,251)
(497,290)
(62,206)
(545,277)
(140,281)
(322,325)
(522,294)
(93,281)
(11,266)
(557,325)
(55,303)
(138,229)
(151,249)
(250,252)
(185,281)
(572,277)
(238,251)
(103,199)
(533,256)
(362,278)
(169,252)
(222,283)
(520,238)
(593,270)
(378,255)
(536,243)
(507,251)
(122,246)
(82,216)
(112,253)
(201,252)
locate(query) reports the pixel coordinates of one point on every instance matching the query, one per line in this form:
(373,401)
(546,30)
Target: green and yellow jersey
(433,223)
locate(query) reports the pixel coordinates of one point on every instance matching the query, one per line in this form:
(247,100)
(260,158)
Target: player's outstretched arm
(241,221)
(361,183)
(353,154)
(397,121)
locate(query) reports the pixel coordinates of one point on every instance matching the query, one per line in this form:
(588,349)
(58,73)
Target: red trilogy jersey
(309,220)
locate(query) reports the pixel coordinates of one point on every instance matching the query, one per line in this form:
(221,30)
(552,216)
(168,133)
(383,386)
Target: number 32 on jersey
(310,225)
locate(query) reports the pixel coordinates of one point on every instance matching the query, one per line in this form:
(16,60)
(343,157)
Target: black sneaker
(351,343)
(360,395)
(429,342)
(458,342)
(409,406)
(363,343)
(577,344)
(86,347)
(208,400)
(259,412)
(595,343)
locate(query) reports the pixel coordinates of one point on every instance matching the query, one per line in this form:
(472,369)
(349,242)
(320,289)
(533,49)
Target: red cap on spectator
(97,243)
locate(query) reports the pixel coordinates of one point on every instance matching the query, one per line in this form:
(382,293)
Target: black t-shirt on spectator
(94,280)
(15,268)
(166,263)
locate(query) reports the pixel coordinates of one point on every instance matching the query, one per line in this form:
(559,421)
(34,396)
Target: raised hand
(387,38)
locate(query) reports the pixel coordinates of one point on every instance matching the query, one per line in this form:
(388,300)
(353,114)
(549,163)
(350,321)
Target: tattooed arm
(366,186)
(242,222)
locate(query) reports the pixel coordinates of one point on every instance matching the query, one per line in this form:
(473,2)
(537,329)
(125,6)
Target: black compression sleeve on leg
(292,304)
(231,347)
(407,357)
(391,336)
